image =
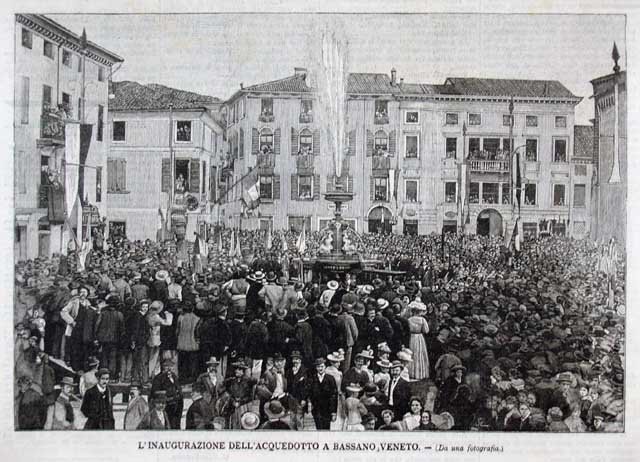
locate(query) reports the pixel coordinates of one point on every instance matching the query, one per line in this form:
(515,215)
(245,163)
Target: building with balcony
(610,145)
(49,86)
(406,148)
(149,125)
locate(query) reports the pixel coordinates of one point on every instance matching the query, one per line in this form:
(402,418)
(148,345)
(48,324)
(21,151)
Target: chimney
(241,85)
(393,76)
(300,72)
(401,81)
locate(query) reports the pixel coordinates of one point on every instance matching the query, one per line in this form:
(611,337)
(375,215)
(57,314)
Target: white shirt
(321,377)
(392,387)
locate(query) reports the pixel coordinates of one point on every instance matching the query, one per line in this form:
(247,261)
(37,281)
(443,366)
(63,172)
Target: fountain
(337,253)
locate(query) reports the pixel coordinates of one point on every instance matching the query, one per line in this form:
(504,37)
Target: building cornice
(58,34)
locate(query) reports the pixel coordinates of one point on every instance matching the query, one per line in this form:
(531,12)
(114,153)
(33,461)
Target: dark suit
(199,416)
(98,408)
(175,403)
(211,392)
(324,398)
(401,396)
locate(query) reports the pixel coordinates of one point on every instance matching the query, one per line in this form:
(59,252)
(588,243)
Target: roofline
(60,34)
(607,77)
(196,109)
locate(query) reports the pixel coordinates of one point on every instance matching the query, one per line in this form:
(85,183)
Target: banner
(85,142)
(71,159)
(302,241)
(251,191)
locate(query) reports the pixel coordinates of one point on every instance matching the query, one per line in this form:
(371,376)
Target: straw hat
(249,420)
(274,409)
(333,285)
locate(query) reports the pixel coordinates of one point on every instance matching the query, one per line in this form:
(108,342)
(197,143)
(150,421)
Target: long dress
(354,410)
(419,368)
(339,422)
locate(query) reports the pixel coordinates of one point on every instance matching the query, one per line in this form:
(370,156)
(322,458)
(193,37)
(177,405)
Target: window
(118,229)
(100,74)
(411,190)
(66,58)
(24,101)
(561,122)
(451,118)
(452,146)
(529,230)
(506,145)
(530,194)
(532,121)
(266,187)
(183,131)
(559,228)
(116,175)
(474,193)
(559,150)
(306,142)
(296,223)
(475,119)
(558,195)
(266,141)
(100,122)
(182,172)
(531,150)
(46,98)
(380,189)
(490,193)
(119,130)
(66,104)
(380,143)
(27,38)
(579,191)
(506,193)
(507,120)
(305,187)
(411,117)
(410,227)
(474,147)
(411,146)
(450,192)
(381,114)
(48,49)
(266,110)
(306,111)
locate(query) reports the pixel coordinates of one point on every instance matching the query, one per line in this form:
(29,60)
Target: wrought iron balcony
(489,166)
(52,126)
(381,119)
(266,117)
(266,160)
(380,163)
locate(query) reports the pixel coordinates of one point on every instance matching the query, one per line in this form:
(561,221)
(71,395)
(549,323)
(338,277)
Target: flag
(251,190)
(160,226)
(516,236)
(269,243)
(301,245)
(392,182)
(200,246)
(72,160)
(283,238)
(517,182)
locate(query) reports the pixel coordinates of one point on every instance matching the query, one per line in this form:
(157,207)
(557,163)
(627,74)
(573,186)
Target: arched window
(381,143)
(266,141)
(306,142)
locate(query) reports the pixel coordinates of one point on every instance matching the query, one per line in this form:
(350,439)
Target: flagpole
(171,171)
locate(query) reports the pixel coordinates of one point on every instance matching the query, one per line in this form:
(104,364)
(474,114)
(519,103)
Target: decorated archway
(489,223)
(380,220)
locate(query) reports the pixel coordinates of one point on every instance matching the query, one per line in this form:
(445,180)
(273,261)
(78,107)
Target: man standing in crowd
(322,394)
(167,382)
(136,409)
(97,404)
(60,415)
(199,415)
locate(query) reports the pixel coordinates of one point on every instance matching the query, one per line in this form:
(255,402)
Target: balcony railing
(306,118)
(266,117)
(51,126)
(380,163)
(381,119)
(266,160)
(489,166)
(304,163)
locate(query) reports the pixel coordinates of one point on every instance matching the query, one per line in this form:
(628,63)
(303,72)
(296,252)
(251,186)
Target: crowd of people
(470,337)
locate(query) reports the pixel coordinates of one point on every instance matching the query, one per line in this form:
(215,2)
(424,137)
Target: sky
(213,53)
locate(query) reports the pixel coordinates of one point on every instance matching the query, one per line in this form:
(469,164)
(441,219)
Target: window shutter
(372,188)
(121,175)
(276,141)
(352,143)
(194,176)
(392,143)
(255,141)
(294,141)
(241,144)
(316,142)
(204,177)
(294,187)
(316,187)
(25,101)
(369,143)
(276,187)
(111,175)
(350,184)
(166,175)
